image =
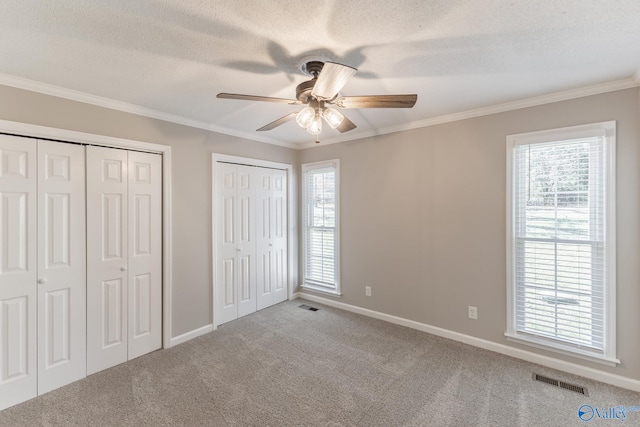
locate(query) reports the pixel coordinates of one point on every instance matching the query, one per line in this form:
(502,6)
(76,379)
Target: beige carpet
(285,366)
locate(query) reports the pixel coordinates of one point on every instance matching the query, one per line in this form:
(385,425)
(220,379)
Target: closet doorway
(251,239)
(45,257)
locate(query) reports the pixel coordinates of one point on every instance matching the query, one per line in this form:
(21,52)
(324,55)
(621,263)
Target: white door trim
(291,220)
(64,135)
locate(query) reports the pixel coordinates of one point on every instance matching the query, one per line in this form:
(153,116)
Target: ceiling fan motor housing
(303,90)
(310,68)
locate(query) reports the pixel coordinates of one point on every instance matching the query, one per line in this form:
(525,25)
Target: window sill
(321,289)
(567,350)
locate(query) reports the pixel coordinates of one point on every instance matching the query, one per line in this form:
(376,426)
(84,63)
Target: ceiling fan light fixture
(305,116)
(333,117)
(315,127)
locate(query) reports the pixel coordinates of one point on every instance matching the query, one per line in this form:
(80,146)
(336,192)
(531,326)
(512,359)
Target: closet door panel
(61,265)
(107,258)
(245,260)
(145,253)
(226,235)
(264,244)
(279,236)
(18,270)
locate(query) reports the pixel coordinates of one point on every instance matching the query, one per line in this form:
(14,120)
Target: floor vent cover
(308,307)
(561,384)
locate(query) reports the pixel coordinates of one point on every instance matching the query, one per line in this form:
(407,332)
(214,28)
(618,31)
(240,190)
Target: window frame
(606,130)
(309,167)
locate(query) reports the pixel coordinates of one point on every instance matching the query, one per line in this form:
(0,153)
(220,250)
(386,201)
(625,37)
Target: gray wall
(191,190)
(423,211)
(423,219)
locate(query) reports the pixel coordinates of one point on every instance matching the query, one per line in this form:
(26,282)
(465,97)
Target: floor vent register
(557,383)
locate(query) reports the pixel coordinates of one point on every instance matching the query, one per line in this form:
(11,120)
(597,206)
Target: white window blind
(560,243)
(320,194)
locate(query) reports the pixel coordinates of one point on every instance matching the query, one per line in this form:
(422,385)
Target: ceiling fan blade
(257,98)
(332,78)
(376,101)
(346,125)
(278,122)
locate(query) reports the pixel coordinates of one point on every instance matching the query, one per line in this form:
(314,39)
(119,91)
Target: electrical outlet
(367,291)
(473,312)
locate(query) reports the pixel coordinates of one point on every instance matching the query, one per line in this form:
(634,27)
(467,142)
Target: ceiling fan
(321,94)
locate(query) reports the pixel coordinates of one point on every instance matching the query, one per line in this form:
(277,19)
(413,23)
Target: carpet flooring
(285,366)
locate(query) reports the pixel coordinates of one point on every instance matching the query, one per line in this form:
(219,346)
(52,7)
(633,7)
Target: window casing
(320,195)
(561,240)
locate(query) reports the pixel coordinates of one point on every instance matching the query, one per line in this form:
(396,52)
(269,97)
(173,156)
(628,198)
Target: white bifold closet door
(236,261)
(124,256)
(61,265)
(18,270)
(42,267)
(251,239)
(271,239)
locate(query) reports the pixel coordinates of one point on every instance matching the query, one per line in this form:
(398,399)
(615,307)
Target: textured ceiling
(172,57)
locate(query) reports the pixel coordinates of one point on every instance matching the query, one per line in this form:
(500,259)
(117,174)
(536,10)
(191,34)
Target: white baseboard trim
(191,335)
(550,362)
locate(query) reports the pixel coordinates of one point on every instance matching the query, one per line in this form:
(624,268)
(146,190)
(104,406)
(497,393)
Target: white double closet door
(251,239)
(124,256)
(80,262)
(42,267)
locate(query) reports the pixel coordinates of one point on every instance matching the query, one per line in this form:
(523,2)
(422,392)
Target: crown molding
(60,92)
(87,98)
(493,109)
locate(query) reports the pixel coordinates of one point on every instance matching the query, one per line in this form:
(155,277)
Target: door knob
(270,244)
(123,268)
(42,281)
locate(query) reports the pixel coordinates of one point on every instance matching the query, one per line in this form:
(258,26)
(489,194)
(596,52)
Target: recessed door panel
(278,270)
(112,223)
(57,167)
(15,336)
(279,218)
(266,273)
(245,219)
(14,228)
(245,283)
(228,220)
(58,339)
(141,173)
(58,225)
(112,170)
(112,313)
(18,269)
(143,222)
(142,305)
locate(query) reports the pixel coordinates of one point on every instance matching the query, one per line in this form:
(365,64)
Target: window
(561,240)
(320,222)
